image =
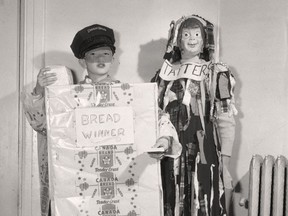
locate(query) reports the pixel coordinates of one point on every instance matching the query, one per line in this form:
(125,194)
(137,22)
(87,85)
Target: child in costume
(198,95)
(94,46)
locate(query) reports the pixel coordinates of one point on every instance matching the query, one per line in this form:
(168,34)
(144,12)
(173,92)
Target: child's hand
(125,86)
(163,142)
(44,78)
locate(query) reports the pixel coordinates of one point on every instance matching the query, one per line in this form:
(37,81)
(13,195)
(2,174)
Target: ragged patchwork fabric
(199,97)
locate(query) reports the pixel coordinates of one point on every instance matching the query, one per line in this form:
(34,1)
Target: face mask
(99,55)
(192,41)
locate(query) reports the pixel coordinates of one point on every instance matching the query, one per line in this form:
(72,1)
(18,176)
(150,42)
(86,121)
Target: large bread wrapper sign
(98,137)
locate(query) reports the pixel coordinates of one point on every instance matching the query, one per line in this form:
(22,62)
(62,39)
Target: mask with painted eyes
(176,34)
(99,55)
(191,42)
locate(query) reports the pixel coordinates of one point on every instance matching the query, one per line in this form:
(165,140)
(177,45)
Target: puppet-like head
(191,35)
(191,38)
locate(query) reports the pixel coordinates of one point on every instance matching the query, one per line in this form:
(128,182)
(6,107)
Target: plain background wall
(253,41)
(141,29)
(254,36)
(9,67)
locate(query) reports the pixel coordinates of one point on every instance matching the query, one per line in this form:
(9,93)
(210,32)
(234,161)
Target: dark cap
(92,37)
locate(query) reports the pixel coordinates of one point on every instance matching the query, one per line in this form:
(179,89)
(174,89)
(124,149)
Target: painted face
(99,60)
(191,42)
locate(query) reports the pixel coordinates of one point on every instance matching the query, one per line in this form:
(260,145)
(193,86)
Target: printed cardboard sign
(106,173)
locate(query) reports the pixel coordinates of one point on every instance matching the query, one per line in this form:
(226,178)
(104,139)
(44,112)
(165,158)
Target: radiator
(268,186)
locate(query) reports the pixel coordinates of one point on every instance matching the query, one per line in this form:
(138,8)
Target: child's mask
(191,42)
(99,55)
(176,43)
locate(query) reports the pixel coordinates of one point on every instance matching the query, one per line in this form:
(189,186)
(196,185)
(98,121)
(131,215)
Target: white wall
(141,29)
(9,107)
(254,37)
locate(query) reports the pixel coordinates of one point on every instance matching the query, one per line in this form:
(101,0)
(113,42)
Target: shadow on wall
(118,53)
(238,117)
(240,198)
(150,58)
(240,185)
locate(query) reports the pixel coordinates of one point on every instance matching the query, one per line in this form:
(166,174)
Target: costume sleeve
(226,130)
(225,109)
(34,110)
(166,129)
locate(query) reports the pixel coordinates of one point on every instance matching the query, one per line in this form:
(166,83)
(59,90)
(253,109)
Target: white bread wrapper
(64,74)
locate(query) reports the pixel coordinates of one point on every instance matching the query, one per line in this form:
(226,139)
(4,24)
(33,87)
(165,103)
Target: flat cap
(92,37)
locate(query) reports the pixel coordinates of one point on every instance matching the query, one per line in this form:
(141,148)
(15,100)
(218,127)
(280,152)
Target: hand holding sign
(158,150)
